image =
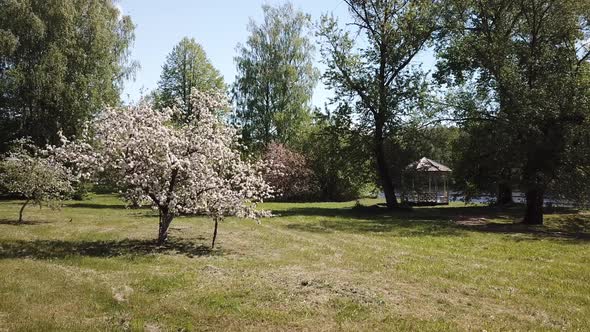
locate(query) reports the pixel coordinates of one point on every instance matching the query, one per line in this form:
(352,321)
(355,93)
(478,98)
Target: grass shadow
(402,227)
(532,231)
(52,249)
(440,221)
(25,222)
(98,206)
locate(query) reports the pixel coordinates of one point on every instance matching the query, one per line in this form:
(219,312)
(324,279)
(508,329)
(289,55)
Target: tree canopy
(27,172)
(60,63)
(532,56)
(186,68)
(276,78)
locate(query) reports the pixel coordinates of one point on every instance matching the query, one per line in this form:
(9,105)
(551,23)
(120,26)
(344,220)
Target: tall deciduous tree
(377,73)
(60,62)
(534,55)
(187,67)
(276,78)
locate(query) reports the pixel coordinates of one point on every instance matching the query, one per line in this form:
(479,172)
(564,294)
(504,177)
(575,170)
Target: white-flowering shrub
(189,168)
(28,173)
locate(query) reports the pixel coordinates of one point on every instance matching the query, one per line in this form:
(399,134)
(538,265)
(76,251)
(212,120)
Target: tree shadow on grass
(399,225)
(55,249)
(97,206)
(25,222)
(441,221)
(432,213)
(377,212)
(532,232)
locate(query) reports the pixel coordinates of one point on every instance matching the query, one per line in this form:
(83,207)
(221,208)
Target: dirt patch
(213,270)
(151,327)
(471,221)
(122,293)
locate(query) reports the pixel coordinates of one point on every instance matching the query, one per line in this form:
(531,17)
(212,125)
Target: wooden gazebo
(425,182)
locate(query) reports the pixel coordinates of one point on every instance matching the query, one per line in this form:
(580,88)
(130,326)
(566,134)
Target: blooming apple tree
(189,168)
(26,171)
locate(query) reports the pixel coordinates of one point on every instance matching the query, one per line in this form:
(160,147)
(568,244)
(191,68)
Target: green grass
(93,266)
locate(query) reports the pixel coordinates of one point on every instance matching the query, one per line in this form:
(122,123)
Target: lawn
(93,265)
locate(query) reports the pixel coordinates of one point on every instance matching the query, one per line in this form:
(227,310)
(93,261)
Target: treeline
(506,107)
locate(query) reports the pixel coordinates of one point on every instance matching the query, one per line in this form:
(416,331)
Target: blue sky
(217,25)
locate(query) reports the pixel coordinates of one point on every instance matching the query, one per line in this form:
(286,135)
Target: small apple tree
(189,168)
(27,172)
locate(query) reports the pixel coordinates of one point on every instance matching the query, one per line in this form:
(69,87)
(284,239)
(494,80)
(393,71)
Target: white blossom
(190,168)
(27,172)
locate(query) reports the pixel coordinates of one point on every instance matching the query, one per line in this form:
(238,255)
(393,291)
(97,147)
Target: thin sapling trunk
(20,215)
(216,219)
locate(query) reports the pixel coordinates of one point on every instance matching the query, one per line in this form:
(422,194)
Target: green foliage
(60,62)
(483,159)
(187,67)
(435,142)
(339,156)
(276,78)
(573,177)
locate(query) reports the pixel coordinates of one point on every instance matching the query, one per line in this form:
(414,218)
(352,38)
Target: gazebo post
(436,188)
(436,184)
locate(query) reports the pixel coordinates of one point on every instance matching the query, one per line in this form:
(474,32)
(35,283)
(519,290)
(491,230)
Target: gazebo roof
(427,165)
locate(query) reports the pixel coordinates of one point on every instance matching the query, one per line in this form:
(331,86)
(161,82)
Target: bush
(290,174)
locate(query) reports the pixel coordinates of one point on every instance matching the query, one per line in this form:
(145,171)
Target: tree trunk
(214,232)
(534,207)
(20,215)
(504,194)
(165,220)
(383,171)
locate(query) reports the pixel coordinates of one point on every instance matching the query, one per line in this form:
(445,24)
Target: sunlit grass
(320,266)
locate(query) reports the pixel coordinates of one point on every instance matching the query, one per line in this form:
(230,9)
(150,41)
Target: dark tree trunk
(534,207)
(386,182)
(383,169)
(20,214)
(214,233)
(165,220)
(504,194)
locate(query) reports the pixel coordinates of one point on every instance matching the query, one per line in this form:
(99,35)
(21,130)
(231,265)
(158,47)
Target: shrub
(289,175)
